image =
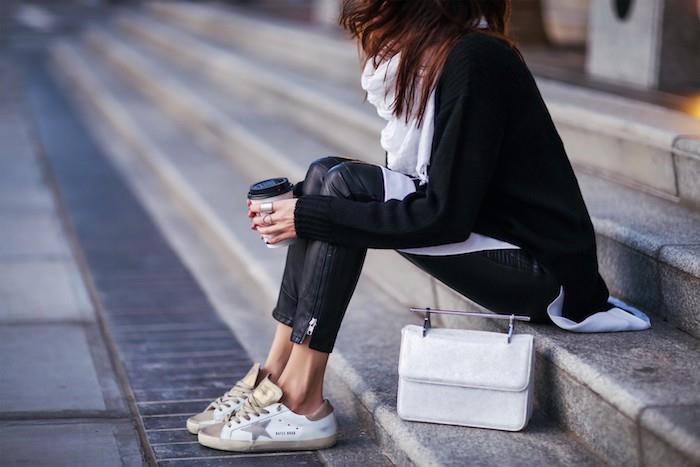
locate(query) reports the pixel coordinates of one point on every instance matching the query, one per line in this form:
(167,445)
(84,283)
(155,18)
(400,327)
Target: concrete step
(130,126)
(636,144)
(237,127)
(613,403)
(255,33)
(333,111)
(644,260)
(187,173)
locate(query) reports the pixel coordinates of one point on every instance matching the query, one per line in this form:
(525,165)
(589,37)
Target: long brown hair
(423,31)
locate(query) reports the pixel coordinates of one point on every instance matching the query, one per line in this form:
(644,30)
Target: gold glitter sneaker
(264,424)
(219,409)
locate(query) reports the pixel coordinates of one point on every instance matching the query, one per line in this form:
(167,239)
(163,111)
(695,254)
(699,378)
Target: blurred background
(131,131)
(622,46)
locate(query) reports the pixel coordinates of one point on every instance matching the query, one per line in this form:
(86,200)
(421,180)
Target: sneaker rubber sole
(194,427)
(211,439)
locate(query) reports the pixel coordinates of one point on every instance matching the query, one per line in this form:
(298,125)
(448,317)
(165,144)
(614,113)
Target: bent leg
(285,309)
(331,272)
(508,281)
(326,282)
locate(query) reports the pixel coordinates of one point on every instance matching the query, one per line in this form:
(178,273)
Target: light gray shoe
(217,410)
(265,424)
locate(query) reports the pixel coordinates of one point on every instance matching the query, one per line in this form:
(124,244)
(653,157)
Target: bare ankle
(304,405)
(299,398)
(273,373)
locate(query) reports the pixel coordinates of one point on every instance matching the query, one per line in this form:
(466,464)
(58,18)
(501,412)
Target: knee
(338,180)
(316,173)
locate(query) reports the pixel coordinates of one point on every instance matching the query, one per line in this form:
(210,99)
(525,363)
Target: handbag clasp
(426,322)
(511,328)
(511,318)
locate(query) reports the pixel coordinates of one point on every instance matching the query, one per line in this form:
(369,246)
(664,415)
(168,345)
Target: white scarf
(408,152)
(408,147)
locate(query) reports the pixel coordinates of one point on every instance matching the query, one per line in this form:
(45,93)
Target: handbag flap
(461,357)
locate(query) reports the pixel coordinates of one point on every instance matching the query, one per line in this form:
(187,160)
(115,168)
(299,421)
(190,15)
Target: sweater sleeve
(469,127)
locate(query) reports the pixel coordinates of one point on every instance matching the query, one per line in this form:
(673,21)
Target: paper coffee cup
(272,189)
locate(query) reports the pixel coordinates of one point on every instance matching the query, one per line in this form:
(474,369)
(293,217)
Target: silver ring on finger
(266,207)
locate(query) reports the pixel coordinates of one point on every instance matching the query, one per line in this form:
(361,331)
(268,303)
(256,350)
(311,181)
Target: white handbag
(465,377)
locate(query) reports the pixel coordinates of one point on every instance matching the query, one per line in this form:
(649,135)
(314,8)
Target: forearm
(376,225)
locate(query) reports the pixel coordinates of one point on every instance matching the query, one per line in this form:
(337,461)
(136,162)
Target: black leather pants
(320,278)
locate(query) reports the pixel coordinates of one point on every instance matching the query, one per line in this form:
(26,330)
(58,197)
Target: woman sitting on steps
(477,190)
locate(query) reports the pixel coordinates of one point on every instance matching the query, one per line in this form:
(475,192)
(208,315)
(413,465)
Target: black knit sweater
(498,167)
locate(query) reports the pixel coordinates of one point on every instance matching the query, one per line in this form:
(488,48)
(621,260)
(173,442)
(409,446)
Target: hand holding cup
(271,210)
(277,226)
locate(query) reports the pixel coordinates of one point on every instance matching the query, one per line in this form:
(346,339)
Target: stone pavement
(117,344)
(61,402)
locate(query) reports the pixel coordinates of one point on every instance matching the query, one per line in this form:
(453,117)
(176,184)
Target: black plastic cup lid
(269,188)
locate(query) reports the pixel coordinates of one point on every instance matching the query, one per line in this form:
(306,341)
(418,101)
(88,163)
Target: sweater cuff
(312,217)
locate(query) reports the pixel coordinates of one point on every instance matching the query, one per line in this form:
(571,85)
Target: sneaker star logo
(258,429)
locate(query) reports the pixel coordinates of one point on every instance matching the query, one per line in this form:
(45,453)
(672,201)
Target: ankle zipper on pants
(312,325)
(313,320)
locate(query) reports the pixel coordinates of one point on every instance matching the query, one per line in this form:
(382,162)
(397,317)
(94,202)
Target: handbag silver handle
(427,324)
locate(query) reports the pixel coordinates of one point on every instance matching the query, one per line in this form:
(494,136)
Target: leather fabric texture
(319,277)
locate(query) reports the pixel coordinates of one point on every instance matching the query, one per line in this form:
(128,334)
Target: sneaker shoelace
(232,397)
(251,408)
